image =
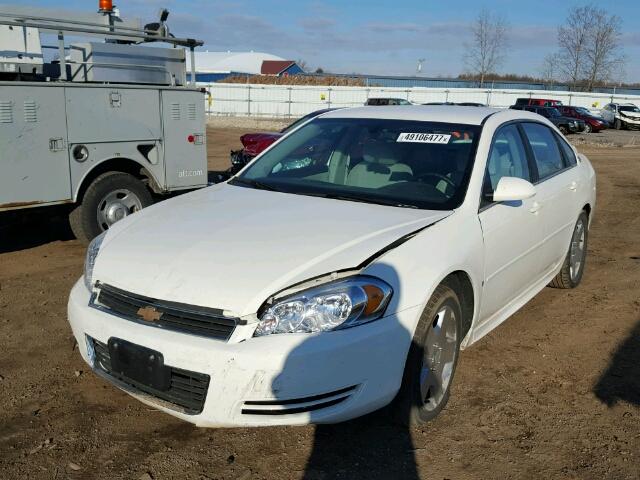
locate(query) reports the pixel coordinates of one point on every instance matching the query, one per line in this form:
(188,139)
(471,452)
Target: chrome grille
(206,322)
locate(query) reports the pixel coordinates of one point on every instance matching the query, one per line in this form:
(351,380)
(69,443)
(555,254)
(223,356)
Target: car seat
(379,167)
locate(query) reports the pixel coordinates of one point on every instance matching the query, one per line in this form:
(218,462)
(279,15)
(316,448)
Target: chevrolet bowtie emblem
(149,314)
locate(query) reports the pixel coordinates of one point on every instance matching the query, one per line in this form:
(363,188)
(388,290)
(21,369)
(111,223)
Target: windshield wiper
(349,198)
(254,183)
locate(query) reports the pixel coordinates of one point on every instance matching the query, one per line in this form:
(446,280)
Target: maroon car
(592,122)
(255,143)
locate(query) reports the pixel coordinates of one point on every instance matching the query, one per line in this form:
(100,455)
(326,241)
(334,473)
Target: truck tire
(109,198)
(572,269)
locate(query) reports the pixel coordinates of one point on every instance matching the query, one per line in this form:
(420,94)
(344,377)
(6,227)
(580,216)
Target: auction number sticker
(423,137)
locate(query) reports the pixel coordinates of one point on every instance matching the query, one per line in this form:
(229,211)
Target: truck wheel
(432,359)
(110,197)
(573,267)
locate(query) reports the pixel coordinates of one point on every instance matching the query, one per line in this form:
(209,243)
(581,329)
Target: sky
(374,36)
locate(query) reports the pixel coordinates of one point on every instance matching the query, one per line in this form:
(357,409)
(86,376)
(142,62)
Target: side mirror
(511,189)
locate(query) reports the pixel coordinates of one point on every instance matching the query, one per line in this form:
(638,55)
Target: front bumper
(281,379)
(629,122)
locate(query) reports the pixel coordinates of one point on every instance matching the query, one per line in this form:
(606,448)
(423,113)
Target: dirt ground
(552,393)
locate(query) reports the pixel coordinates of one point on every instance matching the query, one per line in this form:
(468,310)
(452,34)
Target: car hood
(631,114)
(231,247)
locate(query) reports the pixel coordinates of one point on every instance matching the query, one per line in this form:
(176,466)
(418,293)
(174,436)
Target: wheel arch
(117,164)
(461,283)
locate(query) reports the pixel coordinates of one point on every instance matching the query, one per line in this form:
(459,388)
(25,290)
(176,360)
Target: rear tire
(110,197)
(432,360)
(572,269)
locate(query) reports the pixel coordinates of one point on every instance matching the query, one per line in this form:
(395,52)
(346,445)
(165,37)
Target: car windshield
(583,111)
(301,120)
(391,162)
(629,108)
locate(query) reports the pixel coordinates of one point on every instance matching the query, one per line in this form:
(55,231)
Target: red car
(592,122)
(538,102)
(255,143)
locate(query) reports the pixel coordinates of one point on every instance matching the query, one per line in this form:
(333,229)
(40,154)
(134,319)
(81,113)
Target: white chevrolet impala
(341,271)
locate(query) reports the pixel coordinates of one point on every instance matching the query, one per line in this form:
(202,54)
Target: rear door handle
(573,185)
(535,206)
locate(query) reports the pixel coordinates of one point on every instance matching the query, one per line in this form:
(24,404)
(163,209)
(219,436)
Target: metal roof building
(214,66)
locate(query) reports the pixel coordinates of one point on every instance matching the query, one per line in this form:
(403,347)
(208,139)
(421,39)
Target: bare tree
(303,64)
(603,49)
(572,39)
(550,69)
(486,51)
(589,46)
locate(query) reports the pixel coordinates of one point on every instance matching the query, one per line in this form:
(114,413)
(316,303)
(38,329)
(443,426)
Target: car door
(556,190)
(608,113)
(513,231)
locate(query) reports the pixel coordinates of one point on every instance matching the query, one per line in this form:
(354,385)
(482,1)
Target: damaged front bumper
(282,379)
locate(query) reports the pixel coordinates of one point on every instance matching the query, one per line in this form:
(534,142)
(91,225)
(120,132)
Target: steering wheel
(440,177)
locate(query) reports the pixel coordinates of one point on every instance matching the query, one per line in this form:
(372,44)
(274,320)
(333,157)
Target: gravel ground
(552,393)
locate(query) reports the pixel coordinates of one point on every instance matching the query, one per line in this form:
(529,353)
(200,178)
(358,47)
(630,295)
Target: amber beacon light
(105,6)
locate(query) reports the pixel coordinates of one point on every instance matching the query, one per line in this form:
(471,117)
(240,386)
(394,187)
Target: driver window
(507,158)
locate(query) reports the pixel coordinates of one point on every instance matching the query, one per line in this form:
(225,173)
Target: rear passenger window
(545,148)
(567,151)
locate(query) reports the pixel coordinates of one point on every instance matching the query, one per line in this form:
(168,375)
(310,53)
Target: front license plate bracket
(138,363)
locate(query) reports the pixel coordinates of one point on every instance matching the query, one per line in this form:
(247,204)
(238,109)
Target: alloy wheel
(440,351)
(577,252)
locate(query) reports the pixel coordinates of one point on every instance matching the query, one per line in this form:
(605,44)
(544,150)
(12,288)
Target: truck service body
(104,129)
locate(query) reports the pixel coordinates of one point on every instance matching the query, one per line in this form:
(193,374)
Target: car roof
(422,113)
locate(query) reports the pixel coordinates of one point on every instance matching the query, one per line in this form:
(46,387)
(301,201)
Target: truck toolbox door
(34,158)
(185,149)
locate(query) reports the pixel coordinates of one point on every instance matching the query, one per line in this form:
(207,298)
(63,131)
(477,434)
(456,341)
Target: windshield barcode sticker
(423,138)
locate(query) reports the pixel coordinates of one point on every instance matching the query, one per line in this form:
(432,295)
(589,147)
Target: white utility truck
(104,126)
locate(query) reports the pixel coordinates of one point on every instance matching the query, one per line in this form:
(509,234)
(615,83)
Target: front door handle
(535,206)
(573,186)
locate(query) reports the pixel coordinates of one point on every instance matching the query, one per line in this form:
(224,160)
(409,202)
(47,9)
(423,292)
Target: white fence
(229,99)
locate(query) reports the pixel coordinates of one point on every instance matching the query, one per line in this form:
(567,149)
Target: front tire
(587,128)
(572,269)
(432,359)
(110,197)
(617,124)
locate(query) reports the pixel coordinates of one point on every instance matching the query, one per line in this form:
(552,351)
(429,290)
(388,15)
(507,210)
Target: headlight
(341,304)
(90,260)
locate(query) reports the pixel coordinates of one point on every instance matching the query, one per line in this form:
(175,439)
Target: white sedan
(342,270)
